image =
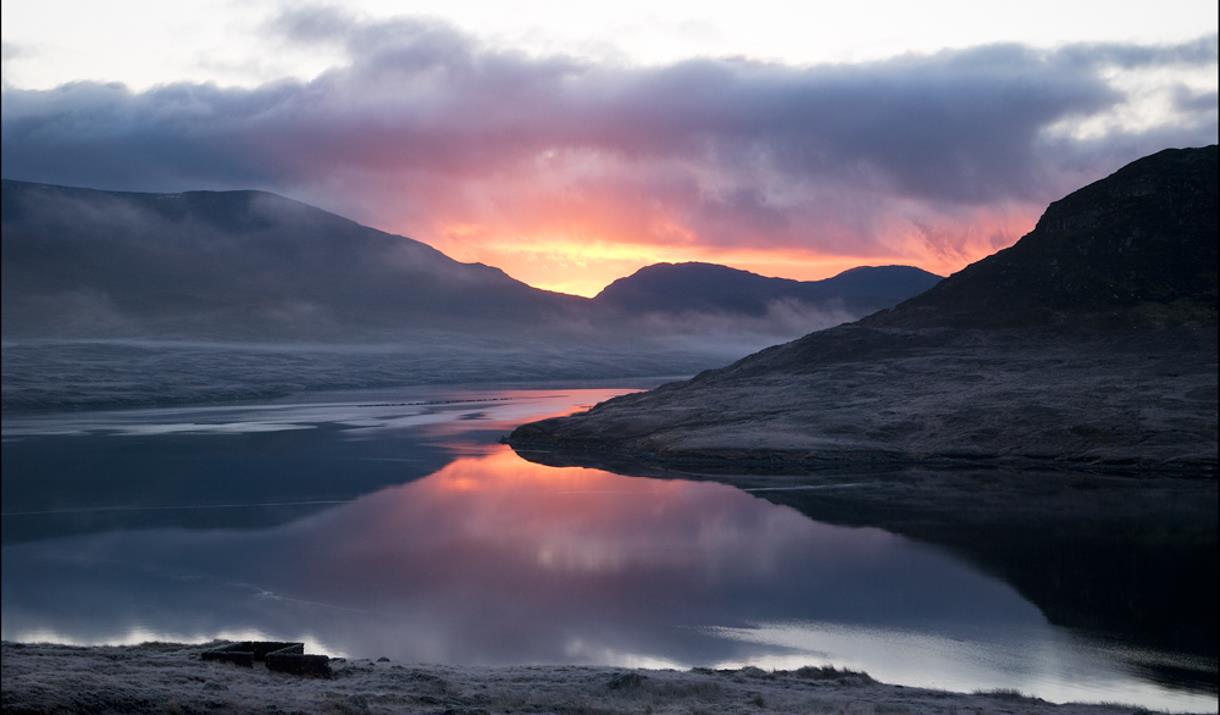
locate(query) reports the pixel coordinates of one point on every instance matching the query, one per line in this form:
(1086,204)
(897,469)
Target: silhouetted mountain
(82,262)
(1053,349)
(707,287)
(1139,244)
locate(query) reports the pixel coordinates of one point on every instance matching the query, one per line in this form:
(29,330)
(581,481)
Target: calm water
(393,524)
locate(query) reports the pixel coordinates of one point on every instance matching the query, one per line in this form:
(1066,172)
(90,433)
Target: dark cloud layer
(426,127)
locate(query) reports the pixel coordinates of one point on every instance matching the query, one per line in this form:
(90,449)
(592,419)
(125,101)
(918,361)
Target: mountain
(83,263)
(1140,244)
(248,264)
(1090,341)
(710,288)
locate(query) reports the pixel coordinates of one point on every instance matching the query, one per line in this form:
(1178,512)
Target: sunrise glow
(569,166)
(586,260)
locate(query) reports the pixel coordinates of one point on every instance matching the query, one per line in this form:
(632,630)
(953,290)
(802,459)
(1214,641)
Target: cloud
(12,51)
(489,153)
(1190,101)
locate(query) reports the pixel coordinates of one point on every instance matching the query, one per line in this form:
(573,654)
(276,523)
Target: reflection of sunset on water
(451,548)
(586,519)
(504,409)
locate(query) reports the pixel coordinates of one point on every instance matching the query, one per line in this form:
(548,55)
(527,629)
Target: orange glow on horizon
(585,265)
(579,226)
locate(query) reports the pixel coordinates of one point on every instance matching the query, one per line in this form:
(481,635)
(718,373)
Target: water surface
(393,524)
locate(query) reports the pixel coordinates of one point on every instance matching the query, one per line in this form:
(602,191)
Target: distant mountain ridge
(254,265)
(232,263)
(708,287)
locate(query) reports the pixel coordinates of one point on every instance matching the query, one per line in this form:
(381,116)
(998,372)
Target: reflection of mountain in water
(1117,557)
(492,559)
(1136,567)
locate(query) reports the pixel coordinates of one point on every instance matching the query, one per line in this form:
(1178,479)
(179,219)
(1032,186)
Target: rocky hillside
(1138,247)
(1091,342)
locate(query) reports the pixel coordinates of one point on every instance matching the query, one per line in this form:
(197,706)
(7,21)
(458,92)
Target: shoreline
(168,677)
(716,463)
(859,396)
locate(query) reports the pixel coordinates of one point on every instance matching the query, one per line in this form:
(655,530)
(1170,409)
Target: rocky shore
(171,678)
(865,396)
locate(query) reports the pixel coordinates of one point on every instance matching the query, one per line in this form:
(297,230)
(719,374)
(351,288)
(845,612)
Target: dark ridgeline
(253,265)
(1136,248)
(711,288)
(1050,412)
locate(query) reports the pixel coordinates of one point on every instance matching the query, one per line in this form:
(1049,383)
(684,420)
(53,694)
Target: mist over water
(391,523)
(41,375)
(48,373)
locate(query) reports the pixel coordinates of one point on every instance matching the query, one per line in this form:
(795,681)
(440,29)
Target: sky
(571,143)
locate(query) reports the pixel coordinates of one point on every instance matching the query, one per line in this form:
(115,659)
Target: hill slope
(1090,341)
(1139,245)
(80,262)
